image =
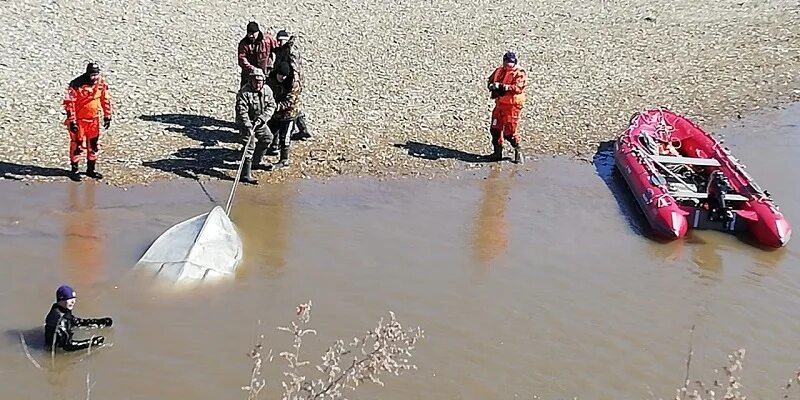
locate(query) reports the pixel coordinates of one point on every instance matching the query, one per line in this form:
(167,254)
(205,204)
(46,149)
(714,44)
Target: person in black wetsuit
(60,322)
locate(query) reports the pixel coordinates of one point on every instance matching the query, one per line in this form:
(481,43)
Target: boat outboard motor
(718,187)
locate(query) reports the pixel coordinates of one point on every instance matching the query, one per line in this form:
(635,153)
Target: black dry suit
(59,325)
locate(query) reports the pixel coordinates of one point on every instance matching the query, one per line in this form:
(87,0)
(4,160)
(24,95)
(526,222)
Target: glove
(73,127)
(505,88)
(106,123)
(98,341)
(107,321)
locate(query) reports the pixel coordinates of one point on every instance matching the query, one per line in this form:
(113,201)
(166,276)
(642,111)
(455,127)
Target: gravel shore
(392,87)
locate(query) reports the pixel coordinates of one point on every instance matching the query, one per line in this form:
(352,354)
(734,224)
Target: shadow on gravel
(207,130)
(207,158)
(193,162)
(16,171)
(435,152)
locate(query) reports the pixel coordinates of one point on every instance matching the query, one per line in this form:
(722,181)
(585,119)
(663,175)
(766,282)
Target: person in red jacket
(256,51)
(85,96)
(507,86)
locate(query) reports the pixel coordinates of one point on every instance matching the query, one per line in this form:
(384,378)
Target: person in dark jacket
(256,51)
(255,105)
(286,90)
(60,323)
(286,52)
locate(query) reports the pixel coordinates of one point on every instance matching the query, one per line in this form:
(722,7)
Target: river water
(532,280)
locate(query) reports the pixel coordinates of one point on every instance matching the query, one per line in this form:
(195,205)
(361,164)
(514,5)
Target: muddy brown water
(534,280)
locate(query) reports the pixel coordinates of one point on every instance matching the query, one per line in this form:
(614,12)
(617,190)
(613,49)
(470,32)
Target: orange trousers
(505,119)
(85,139)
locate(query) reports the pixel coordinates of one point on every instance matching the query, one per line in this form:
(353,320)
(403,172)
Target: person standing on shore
(287,98)
(287,52)
(507,87)
(256,51)
(60,323)
(255,105)
(85,96)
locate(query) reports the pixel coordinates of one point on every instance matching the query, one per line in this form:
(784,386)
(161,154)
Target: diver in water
(60,322)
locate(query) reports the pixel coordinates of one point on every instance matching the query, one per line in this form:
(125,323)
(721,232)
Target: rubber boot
(247,176)
(90,170)
(302,129)
(283,162)
(74,175)
(272,150)
(258,155)
(497,154)
(518,157)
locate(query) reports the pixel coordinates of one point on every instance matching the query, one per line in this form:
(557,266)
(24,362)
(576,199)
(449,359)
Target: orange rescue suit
(508,106)
(82,103)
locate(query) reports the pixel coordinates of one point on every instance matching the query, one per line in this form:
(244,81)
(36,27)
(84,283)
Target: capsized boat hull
(204,248)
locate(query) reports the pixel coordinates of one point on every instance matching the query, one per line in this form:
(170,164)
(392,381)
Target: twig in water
(28,353)
(202,186)
(688,364)
(89,386)
(257,383)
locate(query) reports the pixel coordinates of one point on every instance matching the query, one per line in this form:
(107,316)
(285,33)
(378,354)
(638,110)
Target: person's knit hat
(257,73)
(65,292)
(282,34)
(283,69)
(92,68)
(510,57)
(252,27)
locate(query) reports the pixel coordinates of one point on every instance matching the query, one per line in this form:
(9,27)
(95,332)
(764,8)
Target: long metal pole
(238,175)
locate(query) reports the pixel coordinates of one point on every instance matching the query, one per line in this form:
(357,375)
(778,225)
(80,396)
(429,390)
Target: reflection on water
(264,218)
(83,238)
(489,238)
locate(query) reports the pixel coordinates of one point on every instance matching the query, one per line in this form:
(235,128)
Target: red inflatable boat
(685,179)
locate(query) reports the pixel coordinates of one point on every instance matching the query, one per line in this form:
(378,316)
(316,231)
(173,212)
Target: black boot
(74,175)
(497,154)
(247,176)
(90,170)
(283,162)
(518,157)
(302,129)
(272,150)
(258,154)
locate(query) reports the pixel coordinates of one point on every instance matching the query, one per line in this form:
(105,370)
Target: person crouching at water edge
(507,87)
(255,105)
(287,98)
(60,323)
(85,96)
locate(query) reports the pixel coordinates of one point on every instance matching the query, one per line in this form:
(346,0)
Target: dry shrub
(728,384)
(386,349)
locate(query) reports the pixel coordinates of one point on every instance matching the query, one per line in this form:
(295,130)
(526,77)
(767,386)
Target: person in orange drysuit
(86,95)
(507,86)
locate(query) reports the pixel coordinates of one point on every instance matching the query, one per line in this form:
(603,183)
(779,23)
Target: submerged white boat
(204,248)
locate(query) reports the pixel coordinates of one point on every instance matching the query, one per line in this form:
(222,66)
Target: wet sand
(527,280)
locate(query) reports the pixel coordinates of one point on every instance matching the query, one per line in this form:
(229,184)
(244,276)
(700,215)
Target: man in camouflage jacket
(286,90)
(255,105)
(287,52)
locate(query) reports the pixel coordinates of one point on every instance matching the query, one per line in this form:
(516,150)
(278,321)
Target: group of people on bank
(269,107)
